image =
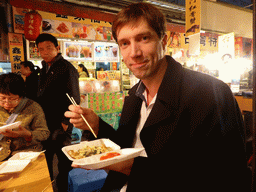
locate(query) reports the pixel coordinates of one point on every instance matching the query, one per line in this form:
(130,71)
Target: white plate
(12,166)
(10,126)
(26,156)
(97,142)
(94,161)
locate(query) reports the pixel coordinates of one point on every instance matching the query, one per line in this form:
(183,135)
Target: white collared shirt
(144,113)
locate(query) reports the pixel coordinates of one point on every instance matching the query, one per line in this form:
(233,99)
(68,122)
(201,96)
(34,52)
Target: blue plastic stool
(80,180)
(76,135)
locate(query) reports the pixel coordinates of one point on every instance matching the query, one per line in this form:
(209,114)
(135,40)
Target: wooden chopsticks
(48,185)
(74,103)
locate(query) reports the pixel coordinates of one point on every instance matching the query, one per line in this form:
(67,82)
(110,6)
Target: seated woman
(15,107)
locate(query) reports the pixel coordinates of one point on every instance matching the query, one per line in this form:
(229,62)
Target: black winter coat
(193,137)
(61,78)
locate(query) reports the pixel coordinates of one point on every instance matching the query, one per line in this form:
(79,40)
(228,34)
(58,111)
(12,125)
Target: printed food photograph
(83,31)
(63,27)
(78,50)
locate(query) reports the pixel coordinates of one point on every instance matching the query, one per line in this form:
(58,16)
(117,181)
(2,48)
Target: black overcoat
(194,137)
(61,78)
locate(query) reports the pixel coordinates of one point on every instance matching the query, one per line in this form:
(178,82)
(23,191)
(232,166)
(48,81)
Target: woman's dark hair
(46,37)
(12,83)
(154,17)
(84,69)
(31,66)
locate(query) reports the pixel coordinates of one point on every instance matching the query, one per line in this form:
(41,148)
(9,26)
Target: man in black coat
(57,77)
(188,122)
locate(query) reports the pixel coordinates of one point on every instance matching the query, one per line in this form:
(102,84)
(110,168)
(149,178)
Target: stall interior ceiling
(241,3)
(174,13)
(174,10)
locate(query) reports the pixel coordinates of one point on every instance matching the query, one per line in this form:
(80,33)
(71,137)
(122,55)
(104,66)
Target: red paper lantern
(33,21)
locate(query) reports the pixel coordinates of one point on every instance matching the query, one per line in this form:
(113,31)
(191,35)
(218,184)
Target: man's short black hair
(46,37)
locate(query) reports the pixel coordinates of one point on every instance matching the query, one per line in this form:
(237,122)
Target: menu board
(111,118)
(109,102)
(106,52)
(95,86)
(65,26)
(78,50)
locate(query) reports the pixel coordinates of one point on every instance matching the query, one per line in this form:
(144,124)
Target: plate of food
(86,149)
(10,126)
(30,155)
(12,166)
(99,153)
(110,158)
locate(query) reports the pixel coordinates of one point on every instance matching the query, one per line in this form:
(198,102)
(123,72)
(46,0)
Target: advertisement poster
(106,52)
(33,51)
(18,19)
(16,51)
(109,102)
(243,47)
(74,27)
(174,39)
(66,26)
(108,75)
(77,50)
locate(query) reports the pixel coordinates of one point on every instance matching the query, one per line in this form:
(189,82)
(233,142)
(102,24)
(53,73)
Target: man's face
(141,49)
(47,51)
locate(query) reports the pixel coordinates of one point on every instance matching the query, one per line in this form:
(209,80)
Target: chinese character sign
(16,51)
(227,45)
(193,17)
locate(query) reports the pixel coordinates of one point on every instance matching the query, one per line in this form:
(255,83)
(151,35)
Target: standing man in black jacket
(188,122)
(57,77)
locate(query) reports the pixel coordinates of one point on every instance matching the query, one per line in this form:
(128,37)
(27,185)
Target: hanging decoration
(33,21)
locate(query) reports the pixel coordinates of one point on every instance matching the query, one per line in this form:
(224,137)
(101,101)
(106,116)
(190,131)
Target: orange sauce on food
(109,155)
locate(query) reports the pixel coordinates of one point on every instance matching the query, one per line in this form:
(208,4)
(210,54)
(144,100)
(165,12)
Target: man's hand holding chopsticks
(75,113)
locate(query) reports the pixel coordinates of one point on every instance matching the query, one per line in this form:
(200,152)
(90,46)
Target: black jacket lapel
(128,125)
(167,102)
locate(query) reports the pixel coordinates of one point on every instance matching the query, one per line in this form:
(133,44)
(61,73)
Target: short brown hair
(134,12)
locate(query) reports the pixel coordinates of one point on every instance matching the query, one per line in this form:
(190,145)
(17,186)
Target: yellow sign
(66,26)
(193,17)
(75,27)
(16,51)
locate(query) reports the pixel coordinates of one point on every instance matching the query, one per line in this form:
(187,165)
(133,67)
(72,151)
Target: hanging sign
(16,51)
(193,17)
(194,44)
(227,45)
